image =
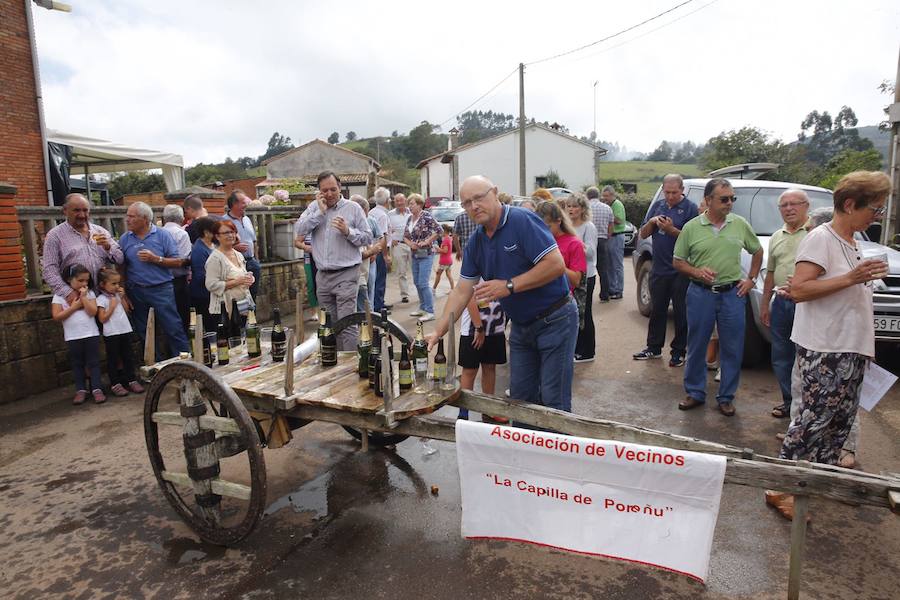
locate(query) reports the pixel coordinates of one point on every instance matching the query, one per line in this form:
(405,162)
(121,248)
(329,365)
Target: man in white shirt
(400,252)
(173,218)
(237,203)
(383,259)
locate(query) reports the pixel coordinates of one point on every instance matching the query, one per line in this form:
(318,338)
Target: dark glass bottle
(254,348)
(279,338)
(328,344)
(222,336)
(420,354)
(192,333)
(363,348)
(405,370)
(374,357)
(440,363)
(235,326)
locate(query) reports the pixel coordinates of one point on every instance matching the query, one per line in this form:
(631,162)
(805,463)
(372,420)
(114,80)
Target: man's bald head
(478,196)
(77,210)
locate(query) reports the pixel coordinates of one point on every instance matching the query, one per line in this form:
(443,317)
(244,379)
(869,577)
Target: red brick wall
(21,155)
(12,273)
(151,198)
(248,186)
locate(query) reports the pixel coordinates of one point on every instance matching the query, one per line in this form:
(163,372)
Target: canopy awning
(102,156)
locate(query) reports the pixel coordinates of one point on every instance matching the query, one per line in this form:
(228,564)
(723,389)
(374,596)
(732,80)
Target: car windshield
(445,213)
(764,216)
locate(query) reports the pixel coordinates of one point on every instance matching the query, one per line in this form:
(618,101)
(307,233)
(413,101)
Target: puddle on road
(68,478)
(183,551)
(311,497)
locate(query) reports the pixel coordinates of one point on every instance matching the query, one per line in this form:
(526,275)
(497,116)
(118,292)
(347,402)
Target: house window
(540,181)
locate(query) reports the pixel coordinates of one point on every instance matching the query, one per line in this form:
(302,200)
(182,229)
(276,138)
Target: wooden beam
(798,545)
(822,481)
(220,487)
(198,340)
(221,425)
(150,338)
(202,457)
(289,364)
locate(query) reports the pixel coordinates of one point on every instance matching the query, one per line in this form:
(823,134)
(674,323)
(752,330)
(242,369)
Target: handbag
(245,305)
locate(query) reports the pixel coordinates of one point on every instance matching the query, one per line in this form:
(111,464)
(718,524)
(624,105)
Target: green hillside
(646,174)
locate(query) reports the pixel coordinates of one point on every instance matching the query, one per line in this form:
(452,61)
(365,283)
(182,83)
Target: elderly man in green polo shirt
(794,207)
(708,251)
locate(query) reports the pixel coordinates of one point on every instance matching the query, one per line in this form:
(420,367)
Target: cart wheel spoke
(205,452)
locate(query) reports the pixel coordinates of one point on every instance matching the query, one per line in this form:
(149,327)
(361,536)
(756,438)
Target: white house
(497,158)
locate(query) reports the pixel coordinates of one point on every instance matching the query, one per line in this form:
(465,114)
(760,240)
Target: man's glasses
(792,204)
(479,198)
(724,199)
(878,212)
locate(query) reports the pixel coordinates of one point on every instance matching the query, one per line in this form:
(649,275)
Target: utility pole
(893,208)
(595,107)
(522,190)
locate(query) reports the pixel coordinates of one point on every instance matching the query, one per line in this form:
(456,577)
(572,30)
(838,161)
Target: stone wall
(33,356)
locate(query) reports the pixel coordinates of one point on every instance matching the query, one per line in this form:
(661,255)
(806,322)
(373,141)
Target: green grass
(647,175)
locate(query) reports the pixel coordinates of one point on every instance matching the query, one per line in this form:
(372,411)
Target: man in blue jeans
(794,207)
(150,255)
(514,253)
(708,252)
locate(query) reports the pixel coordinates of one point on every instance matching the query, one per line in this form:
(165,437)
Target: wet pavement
(83,517)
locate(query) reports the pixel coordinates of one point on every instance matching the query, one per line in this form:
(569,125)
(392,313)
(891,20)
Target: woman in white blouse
(227,277)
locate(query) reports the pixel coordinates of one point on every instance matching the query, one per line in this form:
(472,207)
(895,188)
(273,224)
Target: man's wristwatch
(159,259)
(510,287)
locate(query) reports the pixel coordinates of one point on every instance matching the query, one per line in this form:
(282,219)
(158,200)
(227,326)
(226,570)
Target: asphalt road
(82,515)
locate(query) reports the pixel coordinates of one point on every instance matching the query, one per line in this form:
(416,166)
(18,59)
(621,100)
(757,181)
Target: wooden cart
(206,428)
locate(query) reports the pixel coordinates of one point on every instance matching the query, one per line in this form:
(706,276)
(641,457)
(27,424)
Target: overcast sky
(210,79)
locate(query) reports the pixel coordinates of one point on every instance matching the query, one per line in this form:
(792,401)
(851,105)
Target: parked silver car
(757,202)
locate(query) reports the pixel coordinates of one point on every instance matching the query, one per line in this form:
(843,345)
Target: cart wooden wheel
(205,452)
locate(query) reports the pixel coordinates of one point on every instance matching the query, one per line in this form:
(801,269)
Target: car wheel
(754,343)
(643,288)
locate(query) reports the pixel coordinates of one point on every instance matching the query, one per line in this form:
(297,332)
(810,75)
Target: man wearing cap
(515,255)
(708,252)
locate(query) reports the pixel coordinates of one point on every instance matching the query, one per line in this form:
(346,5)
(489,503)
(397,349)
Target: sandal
(494,420)
(847,460)
(781,411)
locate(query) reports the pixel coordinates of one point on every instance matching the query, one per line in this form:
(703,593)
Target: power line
(609,37)
(480,98)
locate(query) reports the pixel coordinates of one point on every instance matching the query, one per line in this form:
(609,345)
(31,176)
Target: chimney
(453,142)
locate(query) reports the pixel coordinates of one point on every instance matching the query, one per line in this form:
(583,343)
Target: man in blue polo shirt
(664,221)
(515,255)
(150,254)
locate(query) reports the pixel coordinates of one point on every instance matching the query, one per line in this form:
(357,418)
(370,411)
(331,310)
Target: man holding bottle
(514,253)
(339,229)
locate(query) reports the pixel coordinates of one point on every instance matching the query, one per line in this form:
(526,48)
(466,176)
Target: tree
(552,179)
(686,153)
(135,182)
(826,137)
(277,144)
(849,161)
(334,137)
(421,142)
(477,125)
(663,152)
(748,144)
(351,135)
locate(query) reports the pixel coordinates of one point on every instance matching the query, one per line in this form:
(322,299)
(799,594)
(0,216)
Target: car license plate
(887,324)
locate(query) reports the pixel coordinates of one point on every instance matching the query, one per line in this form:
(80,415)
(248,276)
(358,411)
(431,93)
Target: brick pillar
(12,272)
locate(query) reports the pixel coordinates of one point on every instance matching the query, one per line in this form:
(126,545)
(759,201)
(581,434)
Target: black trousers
(663,290)
(585,346)
(118,352)
(85,353)
(603,268)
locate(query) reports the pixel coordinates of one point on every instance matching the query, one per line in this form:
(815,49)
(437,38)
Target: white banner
(639,503)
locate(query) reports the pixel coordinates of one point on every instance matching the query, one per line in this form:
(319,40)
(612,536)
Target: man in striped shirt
(77,241)
(602,216)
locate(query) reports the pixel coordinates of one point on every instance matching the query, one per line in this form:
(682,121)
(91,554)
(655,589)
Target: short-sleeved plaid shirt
(602,216)
(463,228)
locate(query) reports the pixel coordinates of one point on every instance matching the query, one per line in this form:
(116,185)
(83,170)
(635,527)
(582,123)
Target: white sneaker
(416,313)
(718,376)
(427,317)
(506,392)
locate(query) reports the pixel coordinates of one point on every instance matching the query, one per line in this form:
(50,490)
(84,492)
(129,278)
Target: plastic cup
(883,257)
